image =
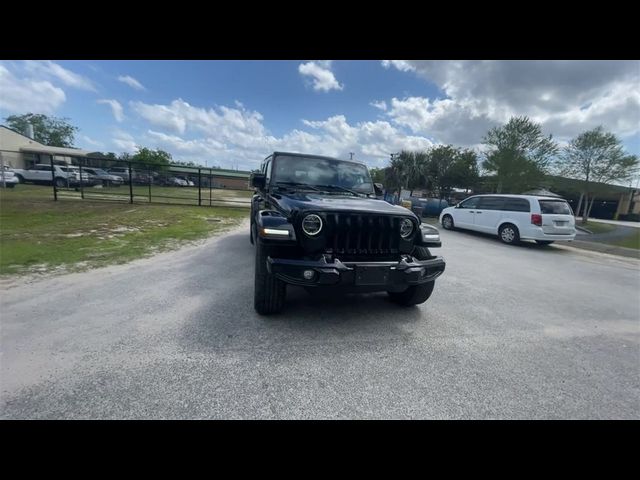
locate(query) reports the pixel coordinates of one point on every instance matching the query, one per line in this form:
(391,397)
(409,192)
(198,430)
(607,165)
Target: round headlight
(406,228)
(311,224)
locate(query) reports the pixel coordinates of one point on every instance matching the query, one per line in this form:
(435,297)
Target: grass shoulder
(38,235)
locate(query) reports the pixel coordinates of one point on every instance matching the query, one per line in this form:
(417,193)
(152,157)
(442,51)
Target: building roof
(33,146)
(69,152)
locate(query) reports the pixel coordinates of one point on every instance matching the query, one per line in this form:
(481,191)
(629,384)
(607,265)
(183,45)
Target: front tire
(447,222)
(509,234)
(415,294)
(20,178)
(269,291)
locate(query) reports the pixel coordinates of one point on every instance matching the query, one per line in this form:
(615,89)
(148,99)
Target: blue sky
(233,113)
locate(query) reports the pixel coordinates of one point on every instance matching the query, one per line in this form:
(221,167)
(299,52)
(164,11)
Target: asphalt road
(510,332)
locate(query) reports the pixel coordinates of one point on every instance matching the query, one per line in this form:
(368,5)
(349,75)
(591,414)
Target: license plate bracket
(372,275)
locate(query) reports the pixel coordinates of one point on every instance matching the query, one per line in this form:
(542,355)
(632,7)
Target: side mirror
(457,205)
(258,180)
(379,189)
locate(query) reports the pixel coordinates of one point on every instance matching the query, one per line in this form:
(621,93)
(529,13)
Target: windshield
(322,172)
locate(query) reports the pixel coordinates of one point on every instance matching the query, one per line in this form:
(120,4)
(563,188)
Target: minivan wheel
(509,234)
(447,222)
(61,182)
(544,242)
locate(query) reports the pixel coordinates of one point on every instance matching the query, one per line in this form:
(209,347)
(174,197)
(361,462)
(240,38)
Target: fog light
(308,274)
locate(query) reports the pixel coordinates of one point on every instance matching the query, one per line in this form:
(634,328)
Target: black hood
(293,203)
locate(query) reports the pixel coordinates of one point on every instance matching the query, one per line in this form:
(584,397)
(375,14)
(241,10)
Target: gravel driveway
(510,332)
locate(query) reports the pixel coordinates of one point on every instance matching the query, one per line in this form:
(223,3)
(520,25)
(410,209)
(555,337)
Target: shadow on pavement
(525,244)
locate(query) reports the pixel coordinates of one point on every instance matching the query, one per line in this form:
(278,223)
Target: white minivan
(513,217)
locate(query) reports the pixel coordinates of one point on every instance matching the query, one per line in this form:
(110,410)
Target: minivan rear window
(559,207)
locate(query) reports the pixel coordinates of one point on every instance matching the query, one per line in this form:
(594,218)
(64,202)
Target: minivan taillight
(536,219)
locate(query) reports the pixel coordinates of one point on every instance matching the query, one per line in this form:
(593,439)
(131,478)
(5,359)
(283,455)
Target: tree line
(516,156)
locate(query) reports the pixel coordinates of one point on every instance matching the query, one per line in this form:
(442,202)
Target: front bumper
(382,275)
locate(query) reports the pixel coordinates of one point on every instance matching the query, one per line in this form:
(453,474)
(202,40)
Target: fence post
(81,183)
(3,182)
(210,185)
(130,184)
(149,179)
(53,180)
(199,187)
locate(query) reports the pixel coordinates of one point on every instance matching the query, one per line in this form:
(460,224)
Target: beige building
(20,151)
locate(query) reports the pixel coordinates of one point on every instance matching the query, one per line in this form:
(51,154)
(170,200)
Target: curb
(604,248)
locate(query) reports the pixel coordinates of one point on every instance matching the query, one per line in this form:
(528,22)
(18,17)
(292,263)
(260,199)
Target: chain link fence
(99,178)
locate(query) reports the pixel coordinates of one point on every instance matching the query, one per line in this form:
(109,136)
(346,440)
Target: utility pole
(350,155)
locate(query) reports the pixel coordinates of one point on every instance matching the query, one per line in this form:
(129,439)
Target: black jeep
(316,223)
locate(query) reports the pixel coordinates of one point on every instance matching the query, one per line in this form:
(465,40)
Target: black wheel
(509,234)
(60,182)
(20,179)
(10,185)
(269,292)
(544,242)
(447,222)
(415,294)
(252,233)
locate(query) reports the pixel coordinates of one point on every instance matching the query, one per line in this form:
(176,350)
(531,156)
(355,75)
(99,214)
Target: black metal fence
(99,178)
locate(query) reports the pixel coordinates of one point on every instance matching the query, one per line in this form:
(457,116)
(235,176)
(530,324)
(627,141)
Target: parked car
(63,175)
(122,172)
(189,183)
(514,217)
(8,179)
(104,177)
(428,206)
(173,182)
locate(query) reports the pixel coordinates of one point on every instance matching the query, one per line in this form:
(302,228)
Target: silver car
(105,177)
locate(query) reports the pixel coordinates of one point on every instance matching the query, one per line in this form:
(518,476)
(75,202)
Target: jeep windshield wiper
(295,184)
(339,187)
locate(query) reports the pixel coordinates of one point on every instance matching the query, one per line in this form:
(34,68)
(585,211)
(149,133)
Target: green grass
(630,241)
(40,235)
(596,227)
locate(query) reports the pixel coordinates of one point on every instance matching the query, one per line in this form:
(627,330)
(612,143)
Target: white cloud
(380,105)
(123,141)
(567,97)
(116,108)
(23,95)
(132,82)
(47,68)
(401,65)
(90,141)
(237,136)
(321,75)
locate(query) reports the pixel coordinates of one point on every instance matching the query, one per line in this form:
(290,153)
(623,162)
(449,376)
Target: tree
(377,175)
(518,153)
(595,156)
(52,131)
(464,171)
(158,158)
(107,155)
(408,170)
(448,167)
